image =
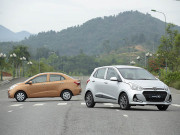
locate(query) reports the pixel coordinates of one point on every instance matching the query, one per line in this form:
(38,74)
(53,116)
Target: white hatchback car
(128,86)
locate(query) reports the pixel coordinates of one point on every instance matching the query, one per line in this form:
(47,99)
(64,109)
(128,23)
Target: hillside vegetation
(130,29)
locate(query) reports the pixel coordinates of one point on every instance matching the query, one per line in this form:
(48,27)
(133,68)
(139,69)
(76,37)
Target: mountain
(8,35)
(127,30)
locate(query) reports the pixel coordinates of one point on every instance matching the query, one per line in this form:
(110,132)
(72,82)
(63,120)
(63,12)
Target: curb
(4,82)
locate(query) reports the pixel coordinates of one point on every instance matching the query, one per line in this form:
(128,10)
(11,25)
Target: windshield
(136,74)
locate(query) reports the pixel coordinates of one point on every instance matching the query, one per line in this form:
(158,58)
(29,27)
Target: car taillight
(78,83)
(88,81)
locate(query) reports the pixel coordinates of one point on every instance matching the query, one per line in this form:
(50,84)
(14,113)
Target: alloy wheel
(66,95)
(20,96)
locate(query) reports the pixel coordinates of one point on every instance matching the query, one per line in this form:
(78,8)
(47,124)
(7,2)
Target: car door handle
(106,82)
(93,81)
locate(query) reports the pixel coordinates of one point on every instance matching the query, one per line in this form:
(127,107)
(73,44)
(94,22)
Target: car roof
(120,66)
(50,73)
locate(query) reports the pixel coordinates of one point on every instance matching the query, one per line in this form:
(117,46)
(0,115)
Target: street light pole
(23,59)
(30,63)
(147,60)
(2,56)
(13,56)
(138,59)
(153,10)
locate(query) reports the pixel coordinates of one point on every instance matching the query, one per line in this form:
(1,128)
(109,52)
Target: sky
(43,15)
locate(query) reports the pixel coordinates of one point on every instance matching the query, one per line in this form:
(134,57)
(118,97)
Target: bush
(176,85)
(170,78)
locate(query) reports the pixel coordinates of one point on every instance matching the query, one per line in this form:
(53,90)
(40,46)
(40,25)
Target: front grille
(155,96)
(154,88)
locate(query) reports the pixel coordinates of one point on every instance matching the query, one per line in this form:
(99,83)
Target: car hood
(20,83)
(147,83)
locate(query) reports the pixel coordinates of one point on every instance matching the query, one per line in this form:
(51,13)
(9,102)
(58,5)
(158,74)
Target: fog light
(135,99)
(170,98)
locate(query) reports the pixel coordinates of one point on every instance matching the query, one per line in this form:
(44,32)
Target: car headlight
(12,87)
(135,87)
(166,88)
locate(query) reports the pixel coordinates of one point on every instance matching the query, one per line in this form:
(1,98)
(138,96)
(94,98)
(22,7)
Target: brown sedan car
(46,85)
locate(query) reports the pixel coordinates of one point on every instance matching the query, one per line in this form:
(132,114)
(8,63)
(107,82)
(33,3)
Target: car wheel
(20,96)
(124,102)
(162,107)
(66,95)
(89,100)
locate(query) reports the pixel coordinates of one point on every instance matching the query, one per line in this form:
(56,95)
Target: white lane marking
(38,104)
(125,115)
(117,110)
(62,104)
(10,110)
(4,90)
(17,105)
(21,107)
(83,103)
(112,106)
(108,104)
(175,105)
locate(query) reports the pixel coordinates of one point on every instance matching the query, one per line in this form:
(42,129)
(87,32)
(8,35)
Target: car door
(111,89)
(56,83)
(98,83)
(39,86)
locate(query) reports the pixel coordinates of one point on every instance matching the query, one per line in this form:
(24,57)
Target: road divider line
(109,104)
(17,105)
(10,110)
(125,115)
(83,103)
(62,104)
(38,104)
(175,105)
(117,110)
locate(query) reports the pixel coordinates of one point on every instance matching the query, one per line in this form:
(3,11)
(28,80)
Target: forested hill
(101,35)
(8,35)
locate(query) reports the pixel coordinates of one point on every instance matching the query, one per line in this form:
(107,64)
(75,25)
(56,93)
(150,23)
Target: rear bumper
(77,91)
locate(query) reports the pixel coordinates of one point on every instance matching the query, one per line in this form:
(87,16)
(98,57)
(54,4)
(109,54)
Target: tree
(20,51)
(176,50)
(166,47)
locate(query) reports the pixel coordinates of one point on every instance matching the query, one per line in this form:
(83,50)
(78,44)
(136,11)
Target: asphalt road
(52,116)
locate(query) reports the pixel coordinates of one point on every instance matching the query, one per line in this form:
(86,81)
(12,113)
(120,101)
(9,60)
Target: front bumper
(152,98)
(9,94)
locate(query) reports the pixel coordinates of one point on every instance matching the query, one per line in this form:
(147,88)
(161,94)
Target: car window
(101,73)
(39,79)
(111,73)
(95,74)
(56,78)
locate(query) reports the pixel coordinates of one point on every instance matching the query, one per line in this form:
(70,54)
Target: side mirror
(30,82)
(115,79)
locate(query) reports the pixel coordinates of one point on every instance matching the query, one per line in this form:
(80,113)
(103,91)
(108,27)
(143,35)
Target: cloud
(42,15)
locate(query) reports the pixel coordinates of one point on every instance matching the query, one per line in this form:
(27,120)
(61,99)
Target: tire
(89,100)
(20,96)
(162,107)
(66,95)
(124,102)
